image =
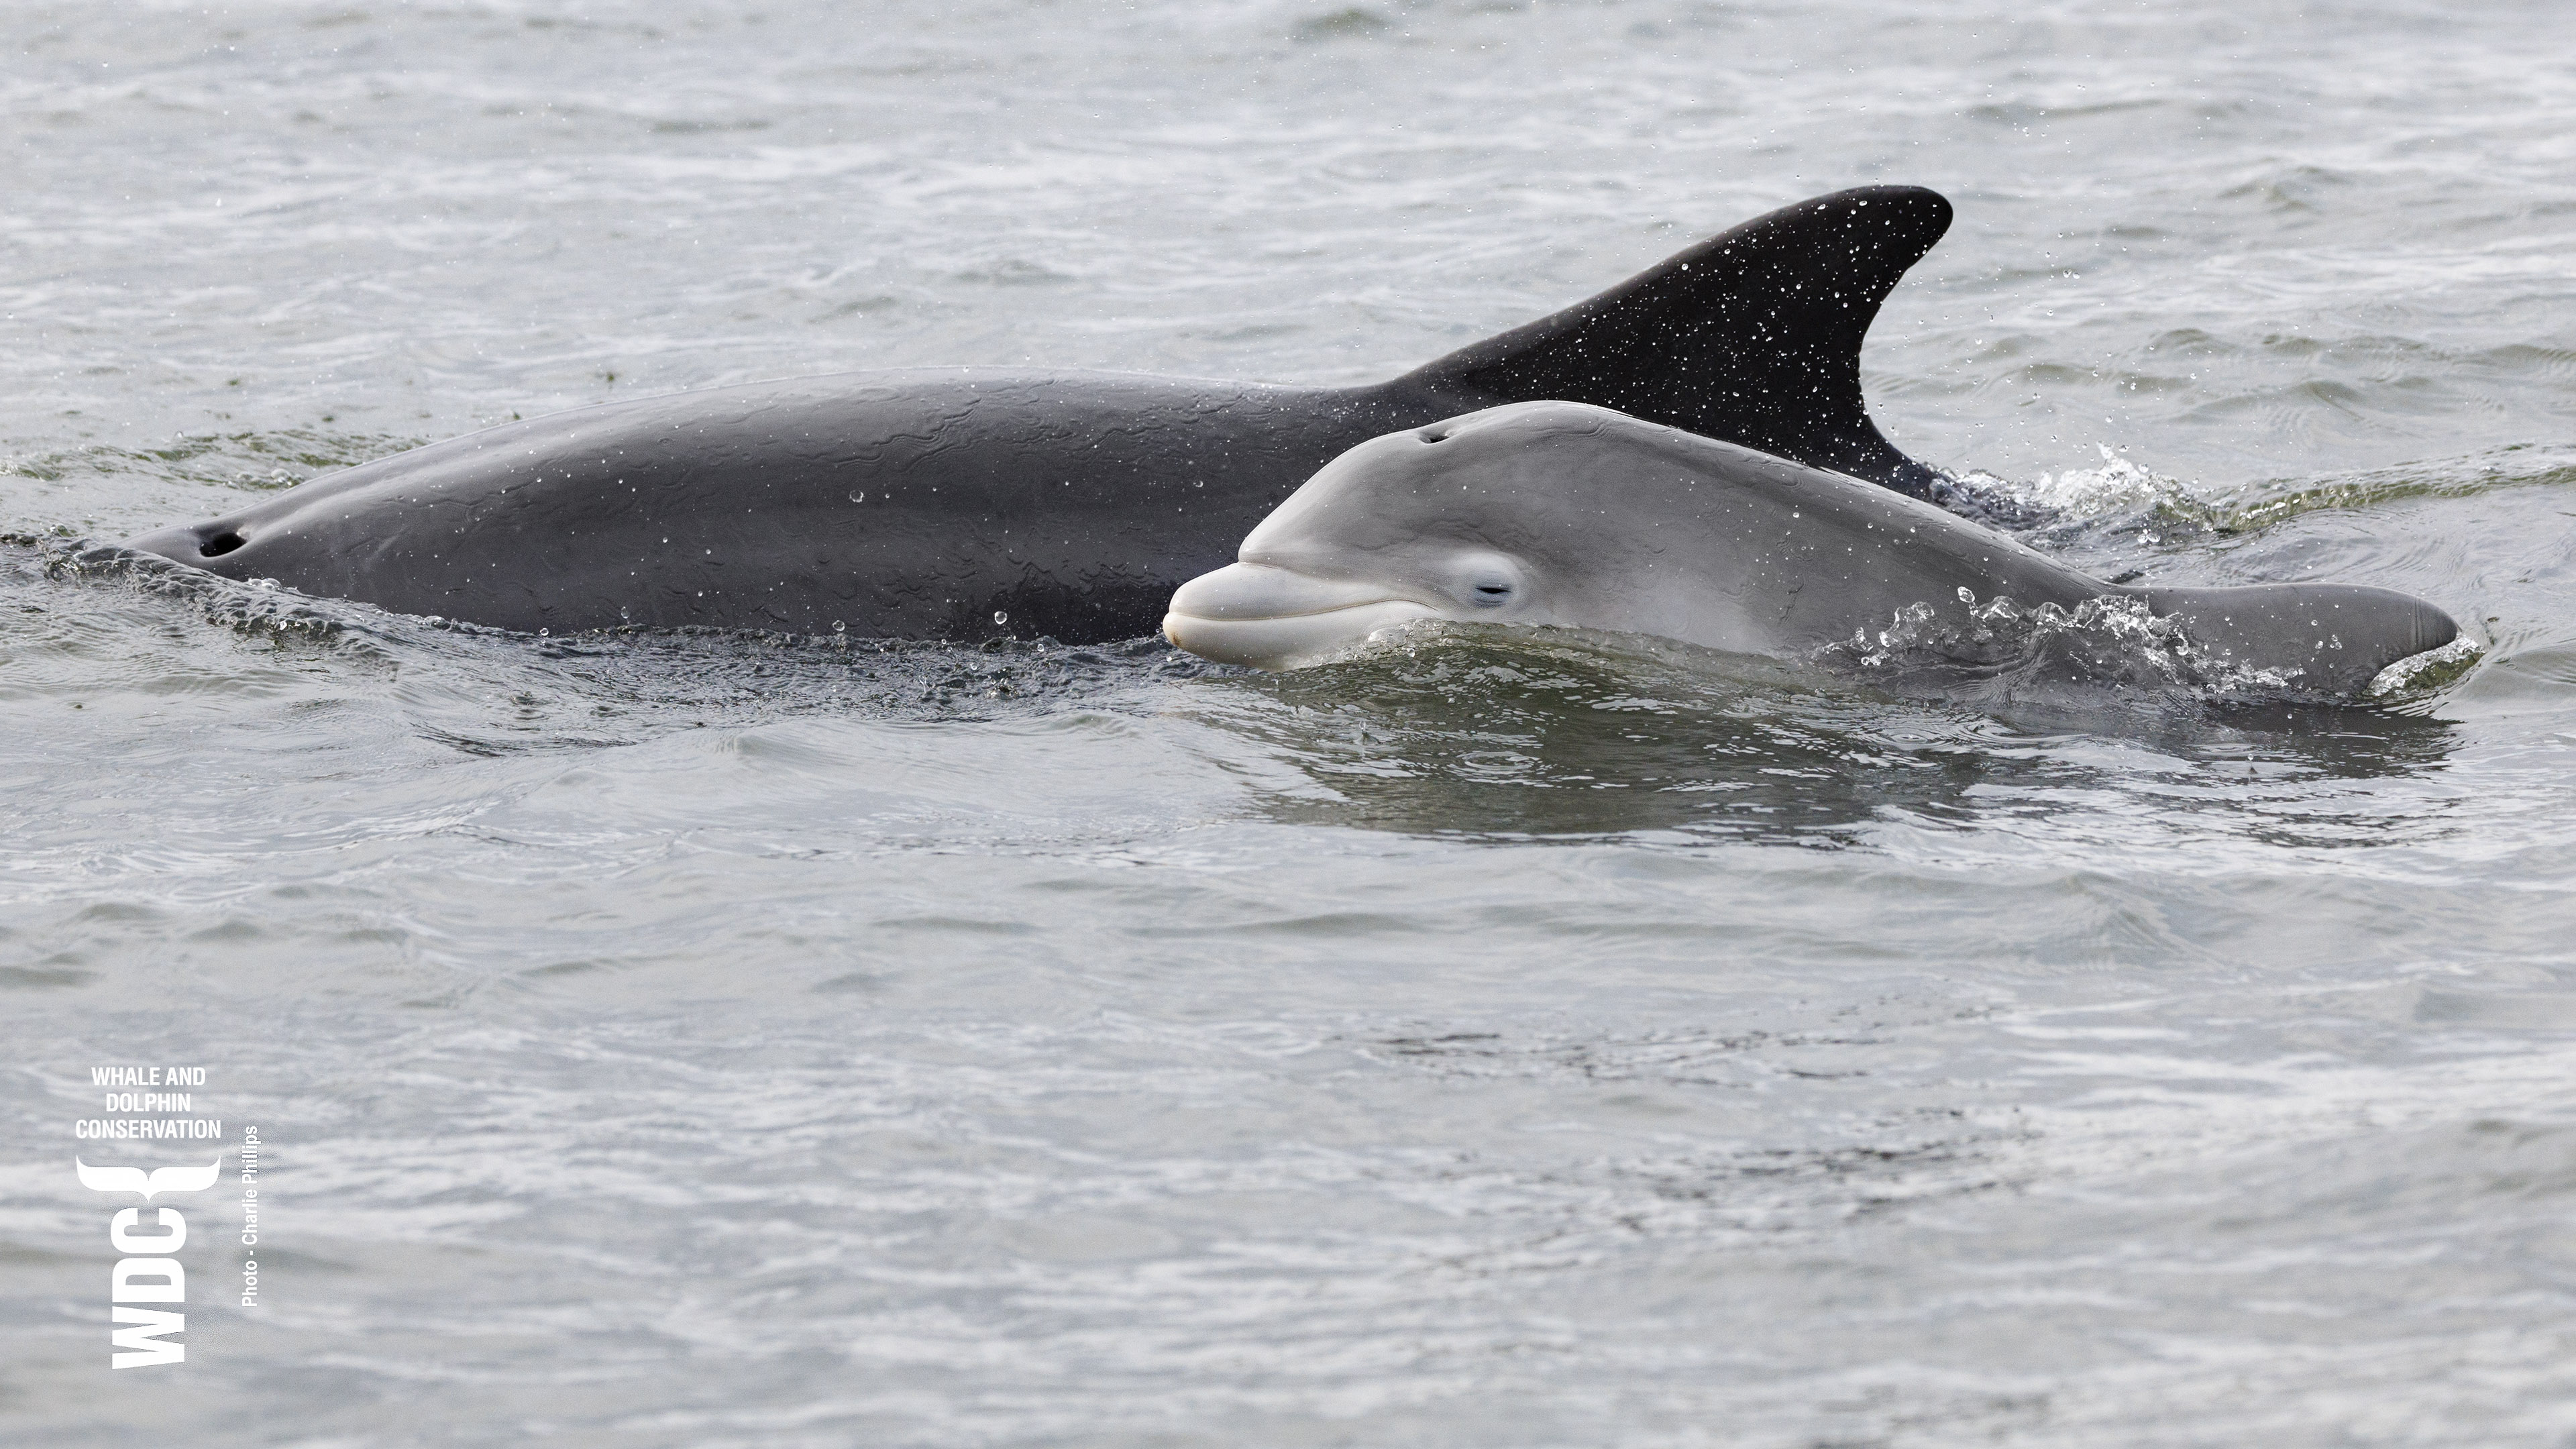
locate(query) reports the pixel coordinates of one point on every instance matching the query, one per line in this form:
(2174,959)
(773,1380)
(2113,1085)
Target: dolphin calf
(1568,514)
(971,503)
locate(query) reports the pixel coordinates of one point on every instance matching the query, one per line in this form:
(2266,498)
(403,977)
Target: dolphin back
(970,503)
(2336,637)
(1752,336)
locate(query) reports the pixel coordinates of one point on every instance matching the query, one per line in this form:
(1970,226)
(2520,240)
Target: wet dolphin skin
(1568,514)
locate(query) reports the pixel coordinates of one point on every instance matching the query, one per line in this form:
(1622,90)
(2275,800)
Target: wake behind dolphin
(1567,514)
(967,503)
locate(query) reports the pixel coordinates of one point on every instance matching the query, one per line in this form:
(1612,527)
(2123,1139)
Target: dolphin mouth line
(1289,641)
(1271,617)
(1286,614)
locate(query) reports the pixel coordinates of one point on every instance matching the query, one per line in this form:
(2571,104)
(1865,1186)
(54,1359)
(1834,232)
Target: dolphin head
(1467,519)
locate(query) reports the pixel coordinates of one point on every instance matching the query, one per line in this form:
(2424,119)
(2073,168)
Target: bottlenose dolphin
(1564,513)
(971,503)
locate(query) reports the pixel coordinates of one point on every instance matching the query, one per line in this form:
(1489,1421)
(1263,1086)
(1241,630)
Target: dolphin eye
(1483,580)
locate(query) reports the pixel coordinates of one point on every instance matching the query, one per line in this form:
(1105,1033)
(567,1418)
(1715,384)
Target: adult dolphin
(967,503)
(1564,513)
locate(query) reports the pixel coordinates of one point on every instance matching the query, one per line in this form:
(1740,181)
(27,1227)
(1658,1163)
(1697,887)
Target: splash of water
(2112,640)
(2121,494)
(2420,676)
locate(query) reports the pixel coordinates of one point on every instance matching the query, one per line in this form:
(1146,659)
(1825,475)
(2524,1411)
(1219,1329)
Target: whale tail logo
(159,1179)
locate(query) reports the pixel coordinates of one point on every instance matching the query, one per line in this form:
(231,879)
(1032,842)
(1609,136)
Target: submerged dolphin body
(969,503)
(1562,513)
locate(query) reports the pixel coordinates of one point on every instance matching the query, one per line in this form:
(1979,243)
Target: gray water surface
(1498,1039)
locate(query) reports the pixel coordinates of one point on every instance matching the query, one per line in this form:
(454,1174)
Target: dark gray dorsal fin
(1752,336)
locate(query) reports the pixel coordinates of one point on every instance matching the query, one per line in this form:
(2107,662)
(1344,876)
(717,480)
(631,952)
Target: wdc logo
(151,1273)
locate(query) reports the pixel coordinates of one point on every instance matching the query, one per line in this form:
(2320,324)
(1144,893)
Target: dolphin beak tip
(1272,618)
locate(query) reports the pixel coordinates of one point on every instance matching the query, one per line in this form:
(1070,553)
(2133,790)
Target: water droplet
(859,495)
(1000,618)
